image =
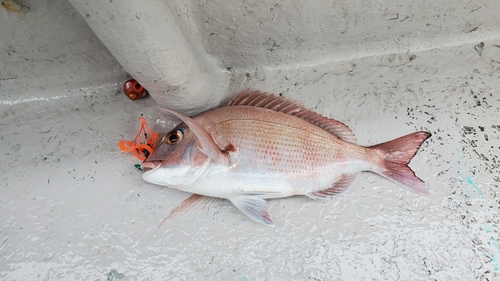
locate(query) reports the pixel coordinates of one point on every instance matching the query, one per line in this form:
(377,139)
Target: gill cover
(176,160)
(208,146)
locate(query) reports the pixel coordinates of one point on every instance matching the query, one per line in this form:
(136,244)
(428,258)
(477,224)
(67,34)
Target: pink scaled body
(260,146)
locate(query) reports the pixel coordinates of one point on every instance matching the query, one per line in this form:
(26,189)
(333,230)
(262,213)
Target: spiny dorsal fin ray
(281,104)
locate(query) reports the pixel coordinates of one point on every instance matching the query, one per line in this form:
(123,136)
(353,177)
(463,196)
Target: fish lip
(150,165)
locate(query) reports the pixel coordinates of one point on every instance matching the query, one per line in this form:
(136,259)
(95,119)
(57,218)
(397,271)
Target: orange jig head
(133,90)
(143,144)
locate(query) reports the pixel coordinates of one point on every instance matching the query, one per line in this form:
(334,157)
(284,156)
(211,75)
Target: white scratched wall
(297,33)
(72,207)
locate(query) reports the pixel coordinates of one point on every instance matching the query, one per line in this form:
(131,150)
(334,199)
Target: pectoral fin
(254,207)
(193,203)
(209,147)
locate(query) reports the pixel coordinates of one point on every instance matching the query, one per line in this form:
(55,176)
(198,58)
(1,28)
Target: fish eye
(174,137)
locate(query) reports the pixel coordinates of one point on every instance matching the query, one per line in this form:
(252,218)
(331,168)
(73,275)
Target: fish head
(176,159)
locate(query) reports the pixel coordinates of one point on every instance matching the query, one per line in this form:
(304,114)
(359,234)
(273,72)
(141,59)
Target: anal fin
(254,207)
(338,187)
(195,202)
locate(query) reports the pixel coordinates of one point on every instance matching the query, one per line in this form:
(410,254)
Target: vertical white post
(145,37)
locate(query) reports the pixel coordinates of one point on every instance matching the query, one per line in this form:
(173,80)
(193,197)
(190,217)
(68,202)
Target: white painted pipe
(148,41)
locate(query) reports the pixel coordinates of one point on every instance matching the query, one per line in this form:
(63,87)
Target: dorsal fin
(281,104)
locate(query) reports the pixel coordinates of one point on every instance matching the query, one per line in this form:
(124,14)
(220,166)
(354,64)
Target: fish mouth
(150,165)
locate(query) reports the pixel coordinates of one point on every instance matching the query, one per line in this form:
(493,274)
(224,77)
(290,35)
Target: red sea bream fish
(259,147)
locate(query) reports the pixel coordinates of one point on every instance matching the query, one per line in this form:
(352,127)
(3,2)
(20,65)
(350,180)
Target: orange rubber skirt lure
(143,144)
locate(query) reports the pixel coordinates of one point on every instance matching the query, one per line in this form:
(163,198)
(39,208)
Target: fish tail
(396,156)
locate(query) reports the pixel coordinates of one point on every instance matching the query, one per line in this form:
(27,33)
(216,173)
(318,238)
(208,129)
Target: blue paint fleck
(474,186)
(460,154)
(487,228)
(113,275)
(492,243)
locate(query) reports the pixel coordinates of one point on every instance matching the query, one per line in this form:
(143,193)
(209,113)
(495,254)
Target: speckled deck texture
(72,207)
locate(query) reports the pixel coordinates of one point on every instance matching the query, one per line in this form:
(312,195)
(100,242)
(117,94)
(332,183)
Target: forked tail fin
(397,154)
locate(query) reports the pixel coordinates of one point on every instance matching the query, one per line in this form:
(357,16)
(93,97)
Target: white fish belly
(219,181)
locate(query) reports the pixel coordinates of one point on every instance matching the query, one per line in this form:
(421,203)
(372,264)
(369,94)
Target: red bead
(133,90)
